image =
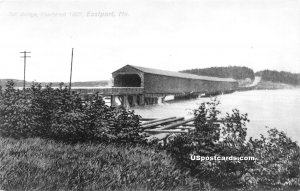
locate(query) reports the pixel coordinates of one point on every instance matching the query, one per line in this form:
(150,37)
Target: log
(177,124)
(160,123)
(185,128)
(157,120)
(165,131)
(147,119)
(188,125)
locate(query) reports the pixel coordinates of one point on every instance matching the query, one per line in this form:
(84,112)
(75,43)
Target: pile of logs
(168,125)
(162,128)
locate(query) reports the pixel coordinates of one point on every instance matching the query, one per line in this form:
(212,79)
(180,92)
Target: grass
(37,164)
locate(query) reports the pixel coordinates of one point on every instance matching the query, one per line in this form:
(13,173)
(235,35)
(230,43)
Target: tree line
(235,72)
(238,73)
(282,77)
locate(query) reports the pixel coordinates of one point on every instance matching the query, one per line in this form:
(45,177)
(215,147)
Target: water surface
(273,108)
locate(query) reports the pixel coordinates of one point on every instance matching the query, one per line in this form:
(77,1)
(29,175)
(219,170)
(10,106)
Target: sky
(164,34)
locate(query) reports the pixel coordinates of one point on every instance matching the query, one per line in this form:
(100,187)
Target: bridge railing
(111,90)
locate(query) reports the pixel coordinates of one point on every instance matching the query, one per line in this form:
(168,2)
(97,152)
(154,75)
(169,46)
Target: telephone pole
(71,71)
(24,56)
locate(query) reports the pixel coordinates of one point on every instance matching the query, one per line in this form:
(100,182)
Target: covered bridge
(135,85)
(158,82)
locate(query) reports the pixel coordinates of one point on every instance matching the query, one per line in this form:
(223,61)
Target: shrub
(57,114)
(278,159)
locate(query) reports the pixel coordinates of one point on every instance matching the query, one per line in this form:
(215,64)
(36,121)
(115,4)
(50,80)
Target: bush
(57,114)
(278,159)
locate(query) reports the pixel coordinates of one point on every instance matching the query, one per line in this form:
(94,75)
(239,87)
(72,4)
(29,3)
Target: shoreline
(268,85)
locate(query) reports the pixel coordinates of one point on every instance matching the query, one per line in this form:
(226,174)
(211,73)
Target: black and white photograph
(149,95)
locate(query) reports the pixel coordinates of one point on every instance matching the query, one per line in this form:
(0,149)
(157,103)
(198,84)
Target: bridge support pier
(134,100)
(125,102)
(151,100)
(141,99)
(161,99)
(113,101)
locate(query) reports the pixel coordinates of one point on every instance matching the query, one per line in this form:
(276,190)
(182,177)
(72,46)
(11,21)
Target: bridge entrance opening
(127,80)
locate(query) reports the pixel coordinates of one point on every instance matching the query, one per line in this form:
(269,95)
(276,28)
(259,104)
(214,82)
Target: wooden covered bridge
(135,85)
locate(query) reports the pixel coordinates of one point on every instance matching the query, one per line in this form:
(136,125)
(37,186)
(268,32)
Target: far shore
(268,85)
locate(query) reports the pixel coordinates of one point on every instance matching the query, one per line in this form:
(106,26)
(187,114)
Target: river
(272,108)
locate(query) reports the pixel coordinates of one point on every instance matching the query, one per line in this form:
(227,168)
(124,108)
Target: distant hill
(235,72)
(90,83)
(19,83)
(281,77)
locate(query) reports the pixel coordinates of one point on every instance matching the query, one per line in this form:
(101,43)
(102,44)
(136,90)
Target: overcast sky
(164,34)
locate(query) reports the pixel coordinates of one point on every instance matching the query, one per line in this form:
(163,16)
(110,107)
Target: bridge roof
(179,74)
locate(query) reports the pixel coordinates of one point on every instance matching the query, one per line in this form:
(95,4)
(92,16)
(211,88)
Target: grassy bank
(268,85)
(37,164)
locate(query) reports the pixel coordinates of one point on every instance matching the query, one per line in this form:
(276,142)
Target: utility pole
(71,71)
(24,56)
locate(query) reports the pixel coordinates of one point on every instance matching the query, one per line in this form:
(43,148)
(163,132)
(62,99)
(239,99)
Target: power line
(25,56)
